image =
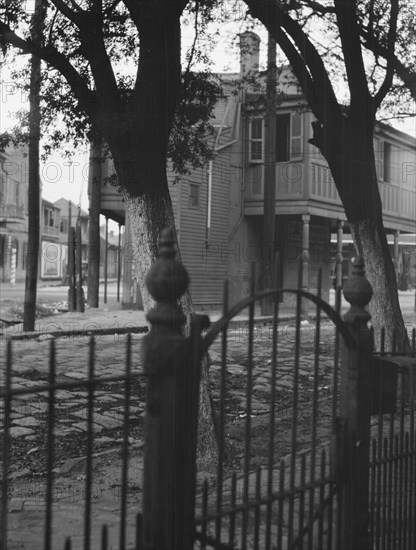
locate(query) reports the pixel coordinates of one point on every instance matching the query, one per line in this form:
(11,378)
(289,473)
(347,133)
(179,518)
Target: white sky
(62,179)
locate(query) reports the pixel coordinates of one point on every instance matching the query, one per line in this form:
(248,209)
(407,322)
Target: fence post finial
(358,292)
(355,412)
(167,280)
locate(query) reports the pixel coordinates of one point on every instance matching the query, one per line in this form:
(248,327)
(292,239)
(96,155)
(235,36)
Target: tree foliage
(65,120)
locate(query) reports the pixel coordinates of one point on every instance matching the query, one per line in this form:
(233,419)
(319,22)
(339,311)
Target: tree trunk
(32,257)
(371,243)
(148,216)
(350,155)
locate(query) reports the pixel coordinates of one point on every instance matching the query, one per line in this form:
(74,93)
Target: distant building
(13,212)
(112,254)
(51,251)
(69,210)
(54,223)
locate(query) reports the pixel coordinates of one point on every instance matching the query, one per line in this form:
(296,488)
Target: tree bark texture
(149,215)
(370,242)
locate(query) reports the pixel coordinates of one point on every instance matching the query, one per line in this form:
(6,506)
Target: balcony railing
(48,231)
(289,180)
(398,199)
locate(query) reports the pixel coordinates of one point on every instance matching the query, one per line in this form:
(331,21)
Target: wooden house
(219,208)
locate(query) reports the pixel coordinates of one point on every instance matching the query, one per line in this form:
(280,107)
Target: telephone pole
(269,177)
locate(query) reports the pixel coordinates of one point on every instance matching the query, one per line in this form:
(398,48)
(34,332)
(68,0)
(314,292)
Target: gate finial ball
(167,279)
(357,290)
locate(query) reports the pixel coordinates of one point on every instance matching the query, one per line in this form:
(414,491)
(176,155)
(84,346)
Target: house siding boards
(202,253)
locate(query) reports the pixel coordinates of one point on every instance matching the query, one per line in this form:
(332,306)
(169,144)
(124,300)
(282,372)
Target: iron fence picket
(104,537)
(270,462)
(221,423)
(374,509)
(89,447)
(6,446)
(302,500)
(232,516)
(50,449)
(125,447)
(280,501)
(257,509)
(247,441)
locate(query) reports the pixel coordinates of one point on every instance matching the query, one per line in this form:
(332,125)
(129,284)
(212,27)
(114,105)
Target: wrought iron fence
(88,532)
(316,448)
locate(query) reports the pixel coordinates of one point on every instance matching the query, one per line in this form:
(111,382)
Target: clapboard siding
(206,261)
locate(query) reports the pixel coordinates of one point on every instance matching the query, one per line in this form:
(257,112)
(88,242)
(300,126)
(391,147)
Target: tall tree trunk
(149,214)
(355,177)
(32,258)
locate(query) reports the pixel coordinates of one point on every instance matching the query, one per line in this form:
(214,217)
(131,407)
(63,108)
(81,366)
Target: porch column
(13,262)
(396,254)
(338,266)
(305,259)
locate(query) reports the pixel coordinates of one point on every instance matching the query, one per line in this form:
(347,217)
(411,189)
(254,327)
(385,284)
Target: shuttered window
(256,134)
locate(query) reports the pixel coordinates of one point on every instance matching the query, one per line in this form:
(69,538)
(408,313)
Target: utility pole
(269,238)
(96,160)
(32,259)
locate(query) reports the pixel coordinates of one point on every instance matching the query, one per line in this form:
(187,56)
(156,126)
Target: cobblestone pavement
(29,416)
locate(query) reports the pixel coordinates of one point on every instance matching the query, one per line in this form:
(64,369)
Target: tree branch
(406,75)
(351,46)
(52,25)
(92,40)
(319,8)
(391,40)
(110,8)
(58,61)
(73,16)
(304,59)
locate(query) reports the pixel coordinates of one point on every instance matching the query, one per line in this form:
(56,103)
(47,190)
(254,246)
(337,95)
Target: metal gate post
(355,412)
(170,363)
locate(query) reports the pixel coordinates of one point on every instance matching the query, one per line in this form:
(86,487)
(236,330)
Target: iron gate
(311,489)
(316,447)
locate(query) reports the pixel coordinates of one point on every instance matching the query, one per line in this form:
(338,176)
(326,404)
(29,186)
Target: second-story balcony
(48,231)
(312,183)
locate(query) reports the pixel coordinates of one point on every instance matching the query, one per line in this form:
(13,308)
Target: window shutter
(387,162)
(378,153)
(282,137)
(296,136)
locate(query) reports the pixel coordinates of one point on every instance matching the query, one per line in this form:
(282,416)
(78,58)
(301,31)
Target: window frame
(256,140)
(197,196)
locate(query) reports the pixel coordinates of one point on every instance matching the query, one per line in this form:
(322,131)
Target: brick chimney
(249,52)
